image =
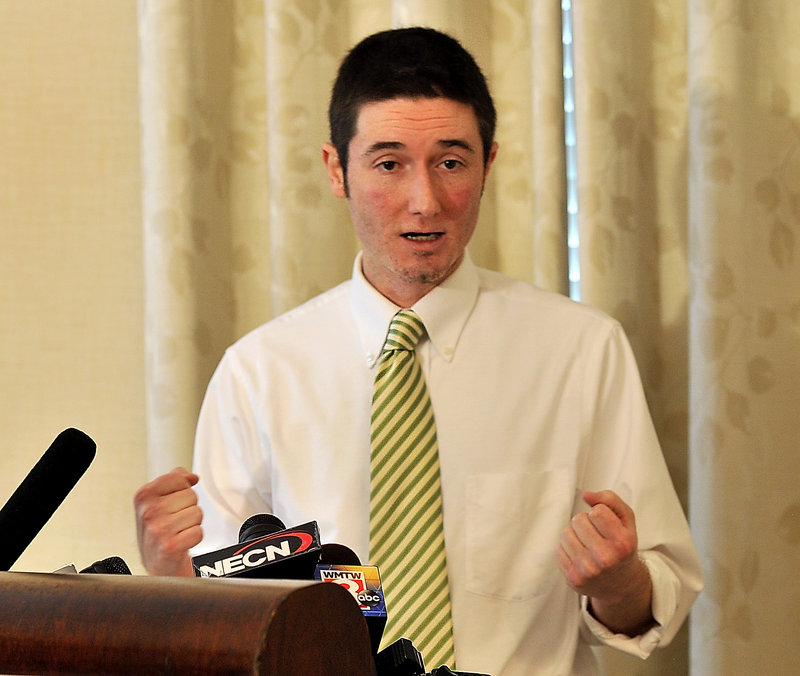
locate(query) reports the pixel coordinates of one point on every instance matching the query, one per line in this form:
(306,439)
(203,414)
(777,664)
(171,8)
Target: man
(560,522)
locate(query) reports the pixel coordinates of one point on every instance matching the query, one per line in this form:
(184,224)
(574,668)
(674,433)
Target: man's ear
(492,157)
(330,157)
(489,163)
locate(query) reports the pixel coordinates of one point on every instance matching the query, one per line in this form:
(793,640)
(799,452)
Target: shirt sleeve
(625,456)
(666,595)
(229,456)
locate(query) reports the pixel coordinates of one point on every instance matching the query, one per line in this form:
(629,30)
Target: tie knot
(404,332)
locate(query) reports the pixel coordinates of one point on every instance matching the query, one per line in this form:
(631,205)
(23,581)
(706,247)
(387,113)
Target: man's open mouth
(422,236)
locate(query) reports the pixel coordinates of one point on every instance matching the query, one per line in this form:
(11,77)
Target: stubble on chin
(427,276)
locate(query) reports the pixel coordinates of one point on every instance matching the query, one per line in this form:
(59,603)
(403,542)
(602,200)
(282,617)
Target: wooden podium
(122,624)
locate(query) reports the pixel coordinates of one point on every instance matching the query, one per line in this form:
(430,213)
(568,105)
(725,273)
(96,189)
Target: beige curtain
(689,172)
(744,223)
(631,119)
(689,167)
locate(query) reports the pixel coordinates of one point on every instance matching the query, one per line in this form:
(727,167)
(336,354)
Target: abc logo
(368,598)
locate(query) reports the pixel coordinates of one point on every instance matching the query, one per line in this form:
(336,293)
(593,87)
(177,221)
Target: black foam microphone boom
(42,491)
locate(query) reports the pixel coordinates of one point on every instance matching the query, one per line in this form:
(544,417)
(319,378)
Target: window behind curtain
(573,235)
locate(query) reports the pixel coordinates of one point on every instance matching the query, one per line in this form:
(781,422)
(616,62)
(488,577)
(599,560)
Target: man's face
(415,176)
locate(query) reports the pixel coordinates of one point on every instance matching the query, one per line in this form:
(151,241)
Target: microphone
(42,491)
(400,658)
(341,565)
(333,553)
(288,553)
(113,565)
(258,525)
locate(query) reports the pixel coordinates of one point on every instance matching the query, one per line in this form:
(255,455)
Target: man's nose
(423,197)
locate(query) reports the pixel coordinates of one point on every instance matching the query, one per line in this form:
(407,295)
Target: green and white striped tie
(406,531)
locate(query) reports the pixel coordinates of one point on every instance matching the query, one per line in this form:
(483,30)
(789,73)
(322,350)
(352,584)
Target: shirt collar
(444,310)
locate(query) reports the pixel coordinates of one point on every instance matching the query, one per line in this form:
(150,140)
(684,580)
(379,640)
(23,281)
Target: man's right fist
(168,523)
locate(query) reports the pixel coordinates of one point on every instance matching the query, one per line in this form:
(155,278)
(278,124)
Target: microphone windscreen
(259,525)
(42,491)
(113,565)
(336,554)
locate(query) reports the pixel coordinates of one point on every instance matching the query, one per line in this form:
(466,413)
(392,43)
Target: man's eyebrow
(457,143)
(383,145)
(396,145)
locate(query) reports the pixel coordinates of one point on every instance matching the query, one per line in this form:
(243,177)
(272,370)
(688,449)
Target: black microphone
(341,565)
(288,553)
(400,658)
(336,554)
(258,525)
(42,491)
(113,565)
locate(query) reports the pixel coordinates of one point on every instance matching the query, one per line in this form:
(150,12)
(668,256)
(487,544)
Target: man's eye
(451,164)
(388,165)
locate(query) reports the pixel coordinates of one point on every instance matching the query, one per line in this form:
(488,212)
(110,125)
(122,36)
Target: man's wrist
(630,611)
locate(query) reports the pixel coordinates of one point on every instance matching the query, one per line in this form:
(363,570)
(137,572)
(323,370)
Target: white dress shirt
(536,398)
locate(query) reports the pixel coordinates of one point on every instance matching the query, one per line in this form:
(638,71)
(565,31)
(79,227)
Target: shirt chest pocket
(513,526)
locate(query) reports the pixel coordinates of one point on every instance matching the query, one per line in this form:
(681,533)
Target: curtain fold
(183,202)
(631,121)
(310,242)
(689,167)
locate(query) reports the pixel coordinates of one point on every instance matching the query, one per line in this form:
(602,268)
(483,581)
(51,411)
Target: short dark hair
(407,63)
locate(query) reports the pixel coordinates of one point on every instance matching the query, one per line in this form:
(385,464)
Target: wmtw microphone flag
(364,583)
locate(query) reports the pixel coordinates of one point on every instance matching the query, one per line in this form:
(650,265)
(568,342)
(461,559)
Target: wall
(71,281)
